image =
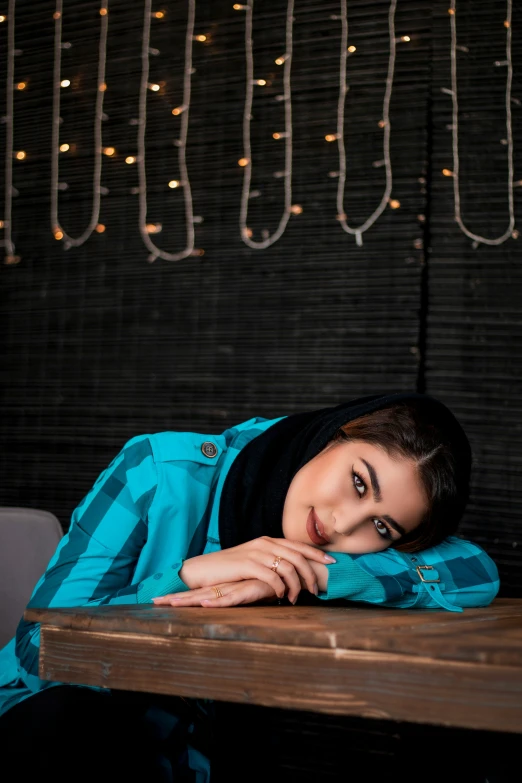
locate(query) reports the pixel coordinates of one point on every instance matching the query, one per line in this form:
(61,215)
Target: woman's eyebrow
(377,496)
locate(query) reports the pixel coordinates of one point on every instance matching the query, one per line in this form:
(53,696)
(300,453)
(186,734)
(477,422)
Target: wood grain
(334,681)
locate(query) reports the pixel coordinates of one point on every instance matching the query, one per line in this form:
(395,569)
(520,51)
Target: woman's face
(353,497)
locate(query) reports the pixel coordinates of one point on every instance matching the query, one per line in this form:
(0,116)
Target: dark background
(99,345)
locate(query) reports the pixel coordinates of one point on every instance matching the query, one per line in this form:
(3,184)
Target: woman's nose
(346,523)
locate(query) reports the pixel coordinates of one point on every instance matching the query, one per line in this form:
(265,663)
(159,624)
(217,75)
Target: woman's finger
(291,579)
(267,575)
(301,568)
(188,598)
(307,550)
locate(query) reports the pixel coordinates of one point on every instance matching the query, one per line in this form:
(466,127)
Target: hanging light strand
(8,202)
(477,238)
(155,251)
(247,148)
(57,228)
(384,123)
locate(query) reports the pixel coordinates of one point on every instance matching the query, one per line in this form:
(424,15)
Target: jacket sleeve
(452,575)
(95,562)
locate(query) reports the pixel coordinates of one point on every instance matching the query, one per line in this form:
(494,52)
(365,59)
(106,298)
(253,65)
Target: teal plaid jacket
(157,504)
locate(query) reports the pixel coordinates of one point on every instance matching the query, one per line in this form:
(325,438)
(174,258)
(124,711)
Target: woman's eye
(381,528)
(359,484)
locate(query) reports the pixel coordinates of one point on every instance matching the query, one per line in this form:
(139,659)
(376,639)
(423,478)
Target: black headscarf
(256,486)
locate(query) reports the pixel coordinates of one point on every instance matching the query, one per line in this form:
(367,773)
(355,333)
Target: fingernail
(330,559)
(205,602)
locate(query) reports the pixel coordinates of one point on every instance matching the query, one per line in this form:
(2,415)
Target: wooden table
(462,670)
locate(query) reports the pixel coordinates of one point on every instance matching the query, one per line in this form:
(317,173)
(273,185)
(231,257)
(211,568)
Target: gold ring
(217,591)
(276,563)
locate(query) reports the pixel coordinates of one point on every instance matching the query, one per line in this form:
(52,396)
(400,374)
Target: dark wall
(100,345)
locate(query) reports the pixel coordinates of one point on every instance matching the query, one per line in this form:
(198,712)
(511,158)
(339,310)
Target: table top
(439,667)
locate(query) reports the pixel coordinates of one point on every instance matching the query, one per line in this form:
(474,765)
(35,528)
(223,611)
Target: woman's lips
(315,529)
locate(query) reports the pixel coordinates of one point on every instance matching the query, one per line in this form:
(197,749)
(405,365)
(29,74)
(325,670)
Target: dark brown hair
(405,430)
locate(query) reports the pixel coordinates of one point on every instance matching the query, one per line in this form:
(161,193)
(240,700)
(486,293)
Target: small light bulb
(103,12)
(296,209)
(65,83)
(276,136)
(451,11)
(21,155)
(178,110)
(331,137)
(200,38)
(58,234)
(2,224)
(109,151)
(405,38)
(515,234)
(243,162)
(260,82)
(507,23)
(239,7)
(130,159)
(154,87)
(352,49)
(64,147)
(153,228)
(102,87)
(381,124)
(56,15)
(100,228)
(281,60)
(394,203)
(21,85)
(2,19)
(447,172)
(158,14)
(174,183)
(249,232)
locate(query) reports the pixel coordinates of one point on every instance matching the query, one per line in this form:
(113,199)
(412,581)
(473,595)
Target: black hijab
(255,489)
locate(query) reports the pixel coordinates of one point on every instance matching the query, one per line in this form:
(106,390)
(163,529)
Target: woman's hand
(255,560)
(249,591)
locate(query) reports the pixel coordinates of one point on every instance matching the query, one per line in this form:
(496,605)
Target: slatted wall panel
(101,345)
(473,353)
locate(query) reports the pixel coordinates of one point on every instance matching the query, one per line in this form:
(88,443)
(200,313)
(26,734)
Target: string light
(296,209)
(153,228)
(331,137)
(64,147)
(21,155)
(103,12)
(178,110)
(394,203)
(200,38)
(21,85)
(154,87)
(405,38)
(8,177)
(102,87)
(260,82)
(155,251)
(238,7)
(281,60)
(158,14)
(109,151)
(447,172)
(100,228)
(2,19)
(341,215)
(477,238)
(243,162)
(352,49)
(97,189)
(130,159)
(174,183)
(247,118)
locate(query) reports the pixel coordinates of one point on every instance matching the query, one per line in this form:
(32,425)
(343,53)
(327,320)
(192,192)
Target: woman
(253,515)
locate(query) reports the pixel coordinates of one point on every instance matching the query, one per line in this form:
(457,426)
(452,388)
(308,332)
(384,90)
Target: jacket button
(209,449)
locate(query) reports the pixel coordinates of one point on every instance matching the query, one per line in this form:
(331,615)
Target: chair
(28,539)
